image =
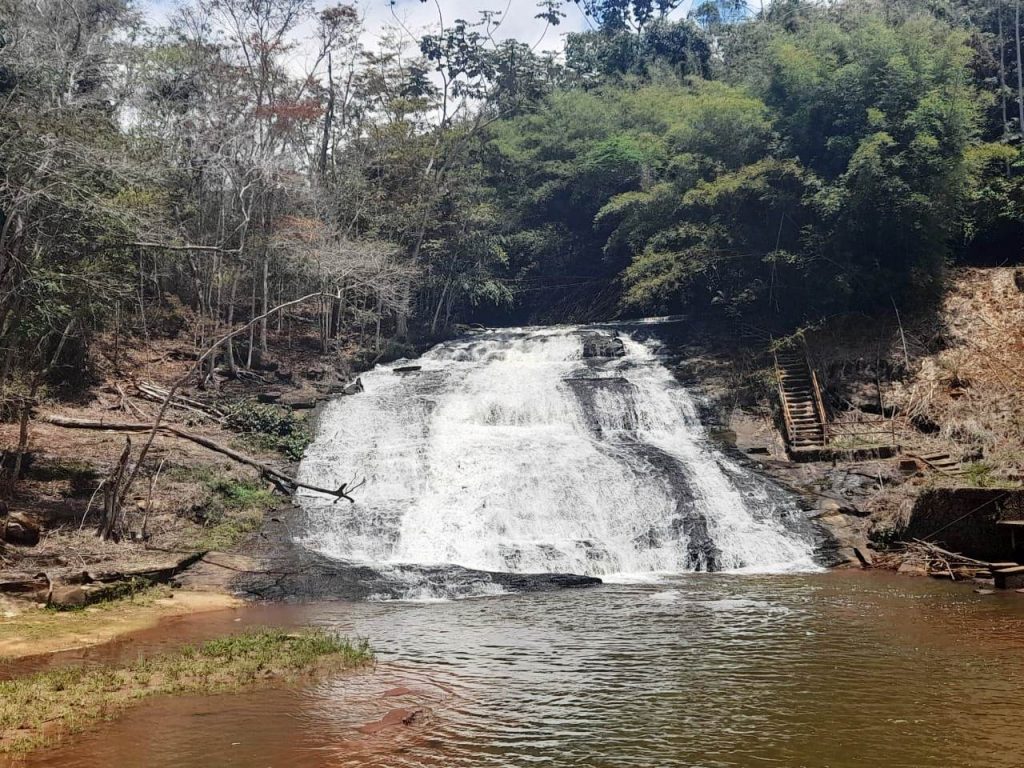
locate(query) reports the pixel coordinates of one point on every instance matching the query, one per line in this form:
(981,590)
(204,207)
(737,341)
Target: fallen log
(274,475)
(157,394)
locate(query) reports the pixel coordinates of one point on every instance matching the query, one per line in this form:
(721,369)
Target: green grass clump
(36,708)
(235,509)
(978,474)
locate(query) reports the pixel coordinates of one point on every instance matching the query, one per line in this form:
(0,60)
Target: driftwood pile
(927,558)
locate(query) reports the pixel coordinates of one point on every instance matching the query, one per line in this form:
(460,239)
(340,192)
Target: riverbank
(941,381)
(26,629)
(39,709)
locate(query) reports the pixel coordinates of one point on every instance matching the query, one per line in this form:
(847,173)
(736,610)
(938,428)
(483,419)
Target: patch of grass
(40,707)
(203,473)
(53,469)
(978,474)
(228,530)
(242,494)
(235,508)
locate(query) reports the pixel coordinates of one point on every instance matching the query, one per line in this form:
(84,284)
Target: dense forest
(767,164)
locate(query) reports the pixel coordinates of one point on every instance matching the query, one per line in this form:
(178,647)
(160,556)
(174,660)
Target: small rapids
(541,450)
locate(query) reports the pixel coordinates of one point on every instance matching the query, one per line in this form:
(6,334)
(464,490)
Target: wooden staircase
(803,410)
(942,463)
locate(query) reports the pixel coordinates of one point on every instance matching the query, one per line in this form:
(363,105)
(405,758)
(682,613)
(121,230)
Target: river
(836,670)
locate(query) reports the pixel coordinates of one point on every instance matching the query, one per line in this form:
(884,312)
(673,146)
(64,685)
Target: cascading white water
(511,451)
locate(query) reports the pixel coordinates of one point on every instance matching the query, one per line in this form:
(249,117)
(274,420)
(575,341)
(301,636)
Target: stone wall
(965,520)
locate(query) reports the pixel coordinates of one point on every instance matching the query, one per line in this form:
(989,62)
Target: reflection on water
(711,671)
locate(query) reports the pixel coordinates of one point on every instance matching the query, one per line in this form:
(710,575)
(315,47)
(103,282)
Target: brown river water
(833,670)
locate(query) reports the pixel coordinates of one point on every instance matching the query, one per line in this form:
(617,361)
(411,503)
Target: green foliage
(269,427)
(978,474)
(835,165)
(234,509)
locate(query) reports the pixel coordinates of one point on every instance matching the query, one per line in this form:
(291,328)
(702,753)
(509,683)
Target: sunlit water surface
(823,670)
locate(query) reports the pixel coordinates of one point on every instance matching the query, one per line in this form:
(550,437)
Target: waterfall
(537,450)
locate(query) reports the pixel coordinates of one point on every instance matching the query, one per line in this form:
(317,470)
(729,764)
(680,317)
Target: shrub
(269,427)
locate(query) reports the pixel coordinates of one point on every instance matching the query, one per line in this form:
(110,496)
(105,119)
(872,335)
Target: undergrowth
(235,508)
(269,427)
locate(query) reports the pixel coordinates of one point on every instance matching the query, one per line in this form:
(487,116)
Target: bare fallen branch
(267,471)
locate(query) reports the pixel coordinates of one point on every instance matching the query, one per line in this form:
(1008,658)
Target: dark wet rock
(601,345)
(397,718)
(348,388)
(287,571)
(925,425)
(408,369)
(864,397)
(268,397)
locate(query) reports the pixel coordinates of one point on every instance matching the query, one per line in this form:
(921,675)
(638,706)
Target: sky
(518,18)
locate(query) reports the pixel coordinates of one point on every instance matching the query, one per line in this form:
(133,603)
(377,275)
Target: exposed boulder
(349,388)
(602,345)
(19,529)
(298,400)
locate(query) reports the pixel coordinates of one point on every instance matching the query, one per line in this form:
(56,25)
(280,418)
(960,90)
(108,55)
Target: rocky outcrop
(295,573)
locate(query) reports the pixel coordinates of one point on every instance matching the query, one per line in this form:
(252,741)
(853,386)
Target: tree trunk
(328,118)
(1002,81)
(266,470)
(266,302)
(112,500)
(19,457)
(230,348)
(1020,69)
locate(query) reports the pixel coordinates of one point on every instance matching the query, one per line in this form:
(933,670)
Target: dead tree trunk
(22,449)
(112,497)
(276,476)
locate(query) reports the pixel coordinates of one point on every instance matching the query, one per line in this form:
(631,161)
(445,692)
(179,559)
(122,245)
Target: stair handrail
(819,404)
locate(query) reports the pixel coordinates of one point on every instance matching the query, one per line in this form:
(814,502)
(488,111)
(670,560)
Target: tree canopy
(764,164)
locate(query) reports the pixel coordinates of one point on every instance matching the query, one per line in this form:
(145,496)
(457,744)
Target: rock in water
(600,345)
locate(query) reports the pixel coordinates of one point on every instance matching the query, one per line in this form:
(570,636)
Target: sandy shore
(31,631)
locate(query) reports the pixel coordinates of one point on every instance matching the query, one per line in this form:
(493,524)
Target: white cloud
(518,20)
